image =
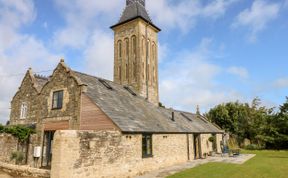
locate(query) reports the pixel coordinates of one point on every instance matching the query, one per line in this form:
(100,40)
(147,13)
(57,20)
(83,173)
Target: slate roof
(132,11)
(134,114)
(40,81)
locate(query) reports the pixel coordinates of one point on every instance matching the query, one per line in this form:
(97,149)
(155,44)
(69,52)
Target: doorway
(197,146)
(47,149)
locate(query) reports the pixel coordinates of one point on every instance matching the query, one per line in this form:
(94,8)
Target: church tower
(136,51)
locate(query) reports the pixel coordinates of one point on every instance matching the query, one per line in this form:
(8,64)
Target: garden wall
(112,154)
(8,144)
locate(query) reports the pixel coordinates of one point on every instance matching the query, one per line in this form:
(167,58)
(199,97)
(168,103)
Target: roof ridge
(89,75)
(41,77)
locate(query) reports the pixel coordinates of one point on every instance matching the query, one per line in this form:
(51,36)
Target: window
(119,73)
(130,90)
(147,145)
(143,46)
(57,99)
(105,84)
(134,69)
(127,72)
(24,108)
(119,49)
(127,59)
(127,48)
(134,48)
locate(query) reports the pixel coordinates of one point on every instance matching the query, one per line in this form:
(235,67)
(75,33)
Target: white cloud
(84,31)
(82,17)
(238,71)
(99,56)
(185,14)
(18,51)
(257,17)
(190,80)
(281,83)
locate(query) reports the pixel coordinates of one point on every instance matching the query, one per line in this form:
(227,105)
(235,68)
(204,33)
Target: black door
(47,149)
(197,146)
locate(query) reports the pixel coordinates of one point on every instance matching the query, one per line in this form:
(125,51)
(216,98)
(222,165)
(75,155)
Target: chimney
(198,110)
(173,116)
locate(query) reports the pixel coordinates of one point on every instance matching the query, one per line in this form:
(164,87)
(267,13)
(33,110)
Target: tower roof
(135,9)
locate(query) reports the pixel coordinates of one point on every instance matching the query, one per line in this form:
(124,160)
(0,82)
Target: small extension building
(92,127)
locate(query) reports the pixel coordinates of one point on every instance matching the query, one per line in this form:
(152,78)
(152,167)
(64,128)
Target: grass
(266,164)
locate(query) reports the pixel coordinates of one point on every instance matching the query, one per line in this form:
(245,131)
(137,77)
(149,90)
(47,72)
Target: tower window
(57,101)
(24,108)
(127,48)
(143,47)
(153,75)
(134,69)
(119,49)
(119,73)
(127,71)
(127,58)
(134,48)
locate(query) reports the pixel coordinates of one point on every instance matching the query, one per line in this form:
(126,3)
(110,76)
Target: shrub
(253,147)
(212,139)
(17,156)
(21,132)
(1,128)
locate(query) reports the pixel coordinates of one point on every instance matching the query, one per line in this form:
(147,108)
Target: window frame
(58,106)
(145,147)
(23,110)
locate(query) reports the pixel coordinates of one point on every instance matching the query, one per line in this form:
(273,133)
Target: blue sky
(210,51)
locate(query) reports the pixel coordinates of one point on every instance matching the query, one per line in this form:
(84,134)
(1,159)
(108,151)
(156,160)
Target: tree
(243,120)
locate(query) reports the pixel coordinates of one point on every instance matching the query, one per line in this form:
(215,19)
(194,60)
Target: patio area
(162,173)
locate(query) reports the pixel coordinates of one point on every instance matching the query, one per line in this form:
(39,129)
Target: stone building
(92,127)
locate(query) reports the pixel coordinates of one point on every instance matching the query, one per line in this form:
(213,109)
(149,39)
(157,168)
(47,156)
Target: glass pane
(54,104)
(60,99)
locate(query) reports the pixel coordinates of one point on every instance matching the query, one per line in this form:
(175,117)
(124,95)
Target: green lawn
(266,164)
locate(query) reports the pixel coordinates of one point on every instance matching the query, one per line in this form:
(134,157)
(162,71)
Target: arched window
(153,63)
(134,46)
(144,71)
(127,58)
(120,73)
(149,61)
(119,49)
(143,47)
(127,48)
(134,51)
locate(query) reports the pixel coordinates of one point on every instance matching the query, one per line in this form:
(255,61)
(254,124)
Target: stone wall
(219,140)
(28,94)
(111,154)
(23,171)
(8,144)
(206,145)
(137,29)
(61,80)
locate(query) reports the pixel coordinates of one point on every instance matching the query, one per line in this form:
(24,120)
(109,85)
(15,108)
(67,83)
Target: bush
(17,156)
(253,147)
(1,128)
(21,132)
(212,139)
